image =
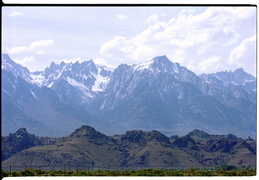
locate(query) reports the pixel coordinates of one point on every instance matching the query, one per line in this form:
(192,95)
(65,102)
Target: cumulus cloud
(153,18)
(196,39)
(29,62)
(103,62)
(212,62)
(34,45)
(25,61)
(16,50)
(244,55)
(41,43)
(13,14)
(40,52)
(239,51)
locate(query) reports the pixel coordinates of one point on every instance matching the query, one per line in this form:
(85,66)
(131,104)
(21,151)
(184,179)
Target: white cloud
(26,61)
(239,51)
(100,61)
(40,52)
(13,14)
(113,46)
(244,55)
(103,62)
(16,50)
(153,18)
(41,43)
(34,45)
(211,64)
(196,38)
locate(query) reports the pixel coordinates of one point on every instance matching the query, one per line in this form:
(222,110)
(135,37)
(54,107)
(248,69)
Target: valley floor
(142,172)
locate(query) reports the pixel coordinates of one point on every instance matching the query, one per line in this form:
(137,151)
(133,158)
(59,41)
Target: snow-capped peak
(158,64)
(18,70)
(85,76)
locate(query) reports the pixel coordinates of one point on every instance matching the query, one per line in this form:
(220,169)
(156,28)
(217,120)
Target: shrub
(28,172)
(3,174)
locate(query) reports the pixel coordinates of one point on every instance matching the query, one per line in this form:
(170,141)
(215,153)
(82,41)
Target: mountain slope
(163,95)
(40,109)
(158,94)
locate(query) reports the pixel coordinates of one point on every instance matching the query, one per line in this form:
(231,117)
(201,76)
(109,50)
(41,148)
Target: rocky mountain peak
(157,64)
(186,141)
(87,131)
(199,133)
(54,66)
(157,136)
(161,59)
(24,135)
(62,64)
(5,57)
(139,136)
(18,70)
(134,136)
(21,131)
(18,141)
(83,130)
(242,76)
(239,70)
(237,77)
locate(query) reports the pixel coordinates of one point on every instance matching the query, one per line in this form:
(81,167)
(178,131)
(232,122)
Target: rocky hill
(21,140)
(87,148)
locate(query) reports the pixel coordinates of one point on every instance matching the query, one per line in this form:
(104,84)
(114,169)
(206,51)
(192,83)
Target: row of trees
(219,171)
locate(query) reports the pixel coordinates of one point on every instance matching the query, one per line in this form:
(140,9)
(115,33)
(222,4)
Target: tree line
(224,170)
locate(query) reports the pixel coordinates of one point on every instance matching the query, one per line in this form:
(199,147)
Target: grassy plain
(143,172)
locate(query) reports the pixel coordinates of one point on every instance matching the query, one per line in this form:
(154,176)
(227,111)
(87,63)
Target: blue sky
(203,39)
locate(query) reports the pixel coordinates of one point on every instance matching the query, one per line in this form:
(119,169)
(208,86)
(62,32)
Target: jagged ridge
(159,94)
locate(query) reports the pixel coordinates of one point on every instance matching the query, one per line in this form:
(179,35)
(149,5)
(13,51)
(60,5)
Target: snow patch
(50,85)
(175,68)
(6,92)
(33,94)
(248,81)
(81,87)
(100,82)
(37,79)
(143,66)
(77,84)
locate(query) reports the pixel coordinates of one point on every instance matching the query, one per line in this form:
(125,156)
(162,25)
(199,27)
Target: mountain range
(157,95)
(86,148)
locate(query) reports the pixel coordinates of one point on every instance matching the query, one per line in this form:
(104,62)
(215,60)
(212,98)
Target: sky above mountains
(203,39)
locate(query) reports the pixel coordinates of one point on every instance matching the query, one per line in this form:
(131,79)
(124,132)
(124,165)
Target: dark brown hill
(87,148)
(20,140)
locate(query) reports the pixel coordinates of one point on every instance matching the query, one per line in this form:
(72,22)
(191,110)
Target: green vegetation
(219,171)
